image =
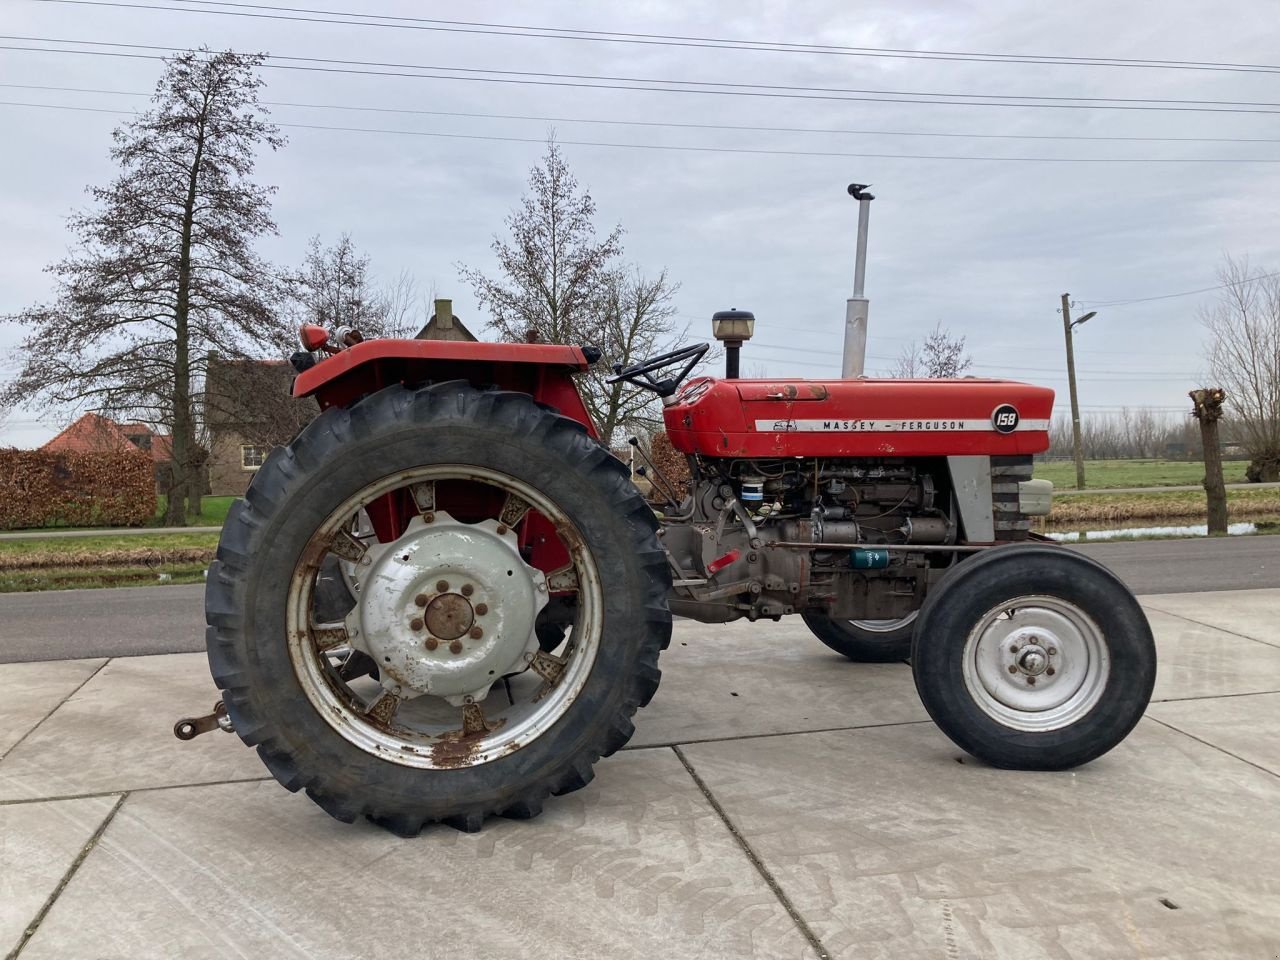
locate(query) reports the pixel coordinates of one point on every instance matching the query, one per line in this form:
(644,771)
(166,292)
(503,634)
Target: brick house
(249,409)
(94,433)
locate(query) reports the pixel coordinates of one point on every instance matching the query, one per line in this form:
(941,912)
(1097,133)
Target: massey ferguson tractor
(446,599)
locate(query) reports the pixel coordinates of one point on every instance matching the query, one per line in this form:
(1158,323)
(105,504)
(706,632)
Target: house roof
(94,433)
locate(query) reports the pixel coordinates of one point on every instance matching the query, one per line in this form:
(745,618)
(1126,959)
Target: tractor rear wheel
(429,696)
(1033,658)
(864,641)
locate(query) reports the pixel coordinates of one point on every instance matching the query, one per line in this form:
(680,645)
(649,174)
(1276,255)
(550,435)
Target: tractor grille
(1006,474)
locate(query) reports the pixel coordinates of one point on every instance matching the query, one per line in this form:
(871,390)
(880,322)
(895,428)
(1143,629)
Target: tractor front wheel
(376,611)
(1033,658)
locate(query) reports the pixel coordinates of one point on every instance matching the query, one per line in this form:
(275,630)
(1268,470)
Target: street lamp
(1067,324)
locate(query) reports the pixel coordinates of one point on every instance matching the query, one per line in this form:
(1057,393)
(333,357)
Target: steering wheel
(642,374)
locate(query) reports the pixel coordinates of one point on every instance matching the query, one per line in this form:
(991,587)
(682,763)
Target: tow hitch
(189,728)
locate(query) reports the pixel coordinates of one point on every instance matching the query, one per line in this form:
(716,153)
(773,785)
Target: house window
(251,457)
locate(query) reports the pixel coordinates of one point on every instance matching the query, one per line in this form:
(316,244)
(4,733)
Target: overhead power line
(354,18)
(1171,296)
(687,87)
(675,125)
(684,148)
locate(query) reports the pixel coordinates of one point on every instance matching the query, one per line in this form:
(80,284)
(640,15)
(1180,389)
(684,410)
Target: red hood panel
(859,418)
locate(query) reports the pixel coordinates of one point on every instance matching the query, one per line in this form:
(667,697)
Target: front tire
(1033,658)
(392,750)
(864,641)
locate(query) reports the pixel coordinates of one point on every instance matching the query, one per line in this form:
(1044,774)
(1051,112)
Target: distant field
(1109,474)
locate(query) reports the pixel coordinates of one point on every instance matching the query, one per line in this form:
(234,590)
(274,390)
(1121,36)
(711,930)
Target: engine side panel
(859,418)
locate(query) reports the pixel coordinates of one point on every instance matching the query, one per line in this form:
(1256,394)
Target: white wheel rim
(886,626)
(434,733)
(1036,664)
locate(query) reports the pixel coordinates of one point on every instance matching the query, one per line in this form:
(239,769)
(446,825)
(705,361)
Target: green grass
(213,511)
(64,563)
(87,546)
(1110,474)
(79,578)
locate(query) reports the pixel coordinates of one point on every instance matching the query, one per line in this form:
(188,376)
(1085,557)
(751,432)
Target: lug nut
(1053,651)
(1012,668)
(420,599)
(1031,681)
(476,633)
(481,609)
(1013,648)
(1050,671)
(415,623)
(432,643)
(455,647)
(468,589)
(428,518)
(442,586)
(502,529)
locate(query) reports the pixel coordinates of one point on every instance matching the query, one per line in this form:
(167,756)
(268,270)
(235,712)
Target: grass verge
(70,563)
(1181,506)
(1110,474)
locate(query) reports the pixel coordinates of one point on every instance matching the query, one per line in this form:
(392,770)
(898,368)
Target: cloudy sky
(985,245)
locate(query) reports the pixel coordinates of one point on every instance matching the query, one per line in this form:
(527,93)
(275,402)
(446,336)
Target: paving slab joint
(1214,746)
(56,708)
(801,924)
(92,842)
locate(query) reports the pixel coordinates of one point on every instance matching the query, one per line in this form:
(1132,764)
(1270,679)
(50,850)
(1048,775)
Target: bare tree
(637,322)
(404,306)
(941,355)
(558,282)
(1244,358)
(336,287)
(164,271)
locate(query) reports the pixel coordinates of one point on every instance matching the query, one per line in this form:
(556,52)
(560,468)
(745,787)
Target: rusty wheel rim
(462,726)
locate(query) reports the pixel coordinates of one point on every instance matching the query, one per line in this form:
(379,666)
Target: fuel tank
(858,418)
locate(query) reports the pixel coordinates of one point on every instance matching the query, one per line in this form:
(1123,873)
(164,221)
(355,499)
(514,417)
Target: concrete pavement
(775,802)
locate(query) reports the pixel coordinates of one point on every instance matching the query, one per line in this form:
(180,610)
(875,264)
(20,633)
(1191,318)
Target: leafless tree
(638,322)
(336,287)
(941,355)
(1244,359)
(164,270)
(559,282)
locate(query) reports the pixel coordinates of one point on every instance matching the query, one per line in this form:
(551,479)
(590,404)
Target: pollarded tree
(1244,359)
(163,272)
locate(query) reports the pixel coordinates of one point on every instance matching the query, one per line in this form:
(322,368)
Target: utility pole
(855,313)
(1071,382)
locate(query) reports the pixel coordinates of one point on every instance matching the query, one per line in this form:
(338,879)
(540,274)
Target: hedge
(39,488)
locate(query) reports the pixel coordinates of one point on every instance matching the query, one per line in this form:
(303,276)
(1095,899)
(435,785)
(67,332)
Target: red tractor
(446,599)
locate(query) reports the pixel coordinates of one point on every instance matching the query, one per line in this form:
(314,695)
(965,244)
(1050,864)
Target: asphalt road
(130,621)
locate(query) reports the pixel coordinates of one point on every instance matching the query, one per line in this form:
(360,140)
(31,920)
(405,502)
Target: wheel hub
(449,616)
(1036,665)
(448,608)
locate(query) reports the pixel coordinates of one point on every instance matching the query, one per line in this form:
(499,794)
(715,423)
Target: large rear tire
(1033,658)
(864,641)
(410,743)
